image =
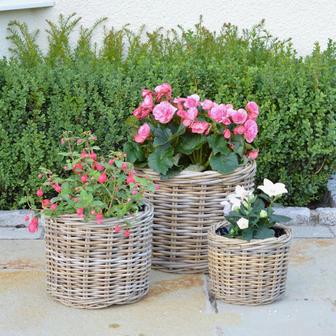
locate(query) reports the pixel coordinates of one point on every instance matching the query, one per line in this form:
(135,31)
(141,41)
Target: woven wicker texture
(249,273)
(90,266)
(184,209)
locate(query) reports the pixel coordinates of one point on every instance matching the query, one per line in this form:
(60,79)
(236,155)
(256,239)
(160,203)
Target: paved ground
(177,305)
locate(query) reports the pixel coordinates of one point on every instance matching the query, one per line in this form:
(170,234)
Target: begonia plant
(173,134)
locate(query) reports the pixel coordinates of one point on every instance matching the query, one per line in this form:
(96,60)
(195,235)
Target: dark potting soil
(223,231)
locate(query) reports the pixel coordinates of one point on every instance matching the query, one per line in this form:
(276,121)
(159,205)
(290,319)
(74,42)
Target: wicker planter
(185,207)
(249,273)
(90,266)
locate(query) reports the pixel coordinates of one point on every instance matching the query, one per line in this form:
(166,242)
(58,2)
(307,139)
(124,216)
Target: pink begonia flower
(143,133)
(127,233)
(188,116)
(83,154)
(164,112)
(157,187)
(117,229)
(207,104)
(146,92)
(227,134)
(124,166)
(253,110)
(53,206)
(39,192)
(80,212)
(200,127)
(163,90)
(93,212)
(192,101)
(251,130)
(253,154)
(130,178)
(141,113)
(239,117)
(134,192)
(179,102)
(26,218)
(102,178)
(239,130)
(57,187)
(84,178)
(33,225)
(147,103)
(99,218)
(220,114)
(93,156)
(45,203)
(111,162)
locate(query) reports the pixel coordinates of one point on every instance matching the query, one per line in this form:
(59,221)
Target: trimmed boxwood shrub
(85,87)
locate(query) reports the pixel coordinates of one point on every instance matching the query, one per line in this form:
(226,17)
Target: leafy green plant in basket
(92,187)
(187,133)
(251,215)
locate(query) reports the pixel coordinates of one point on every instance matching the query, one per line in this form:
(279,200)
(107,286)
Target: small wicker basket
(248,272)
(185,207)
(91,266)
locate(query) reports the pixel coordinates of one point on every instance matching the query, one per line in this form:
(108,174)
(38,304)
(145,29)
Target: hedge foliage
(89,87)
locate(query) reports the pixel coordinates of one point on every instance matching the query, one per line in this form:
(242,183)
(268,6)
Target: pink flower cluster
(198,116)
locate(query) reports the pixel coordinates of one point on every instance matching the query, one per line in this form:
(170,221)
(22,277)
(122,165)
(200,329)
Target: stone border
(318,216)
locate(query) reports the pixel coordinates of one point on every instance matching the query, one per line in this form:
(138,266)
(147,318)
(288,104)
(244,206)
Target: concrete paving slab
(311,231)
(176,304)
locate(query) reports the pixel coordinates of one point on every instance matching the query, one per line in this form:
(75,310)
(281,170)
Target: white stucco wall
(306,21)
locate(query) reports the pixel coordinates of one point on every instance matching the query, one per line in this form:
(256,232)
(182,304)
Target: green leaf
(177,130)
(224,163)
(264,233)
(173,171)
(247,234)
(190,142)
(85,199)
(162,135)
(134,152)
(239,144)
(161,159)
(218,144)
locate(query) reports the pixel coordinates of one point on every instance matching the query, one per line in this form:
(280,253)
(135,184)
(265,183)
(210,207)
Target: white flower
(227,207)
(243,223)
(273,189)
(242,193)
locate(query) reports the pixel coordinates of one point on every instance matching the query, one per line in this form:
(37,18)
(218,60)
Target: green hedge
(93,88)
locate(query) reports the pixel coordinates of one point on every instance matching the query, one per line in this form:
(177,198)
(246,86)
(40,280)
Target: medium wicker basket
(90,266)
(248,272)
(185,207)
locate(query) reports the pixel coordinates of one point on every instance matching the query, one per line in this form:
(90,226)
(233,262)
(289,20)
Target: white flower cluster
(241,195)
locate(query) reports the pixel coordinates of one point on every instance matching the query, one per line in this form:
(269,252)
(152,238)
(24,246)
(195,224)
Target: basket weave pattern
(249,273)
(185,207)
(90,266)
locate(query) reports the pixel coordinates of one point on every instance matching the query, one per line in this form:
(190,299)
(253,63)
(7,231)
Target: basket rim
(107,222)
(246,166)
(234,242)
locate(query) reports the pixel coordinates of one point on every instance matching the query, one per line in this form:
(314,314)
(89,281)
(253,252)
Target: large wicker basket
(90,266)
(248,272)
(185,207)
